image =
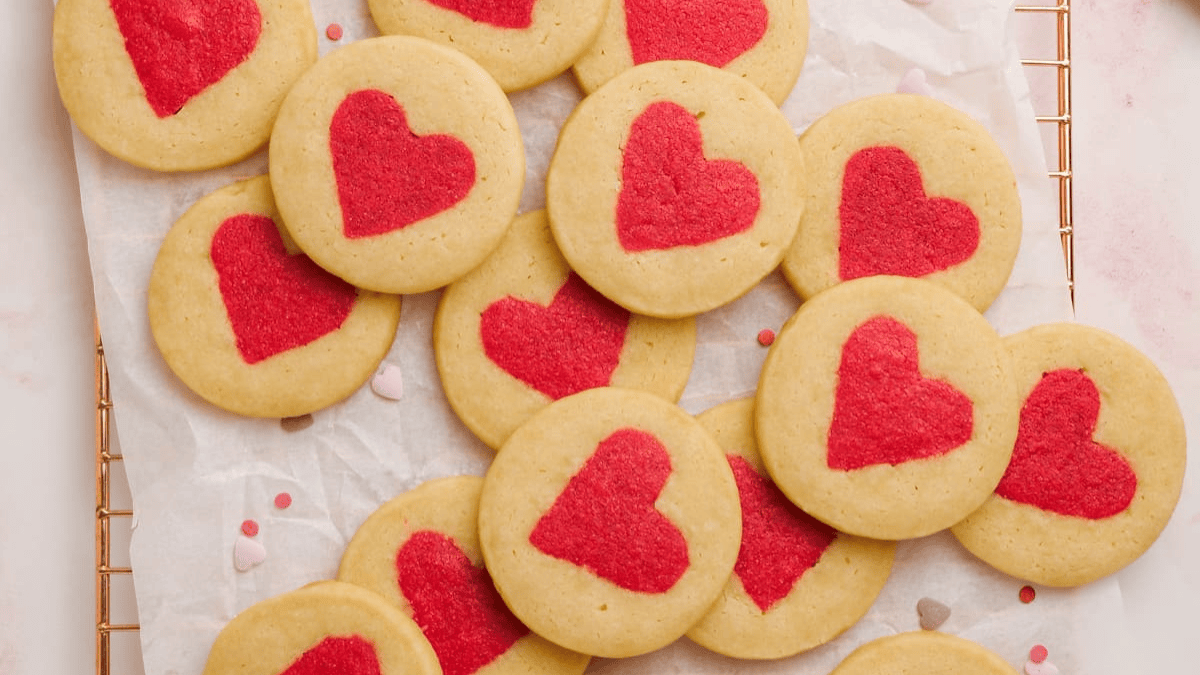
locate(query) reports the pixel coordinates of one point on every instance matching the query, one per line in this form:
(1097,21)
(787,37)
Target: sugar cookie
(924,652)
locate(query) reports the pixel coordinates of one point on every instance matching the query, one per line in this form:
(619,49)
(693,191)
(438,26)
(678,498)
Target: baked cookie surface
(1097,465)
(904,185)
(675,188)
(522,330)
(926,652)
(797,583)
(762,41)
(610,522)
(886,409)
(521,43)
(420,551)
(252,325)
(179,86)
(397,164)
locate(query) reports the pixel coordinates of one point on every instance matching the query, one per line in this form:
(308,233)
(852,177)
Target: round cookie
(925,652)
(179,86)
(886,409)
(610,522)
(397,164)
(520,43)
(797,583)
(420,551)
(252,325)
(761,41)
(675,188)
(1097,465)
(327,626)
(905,185)
(522,330)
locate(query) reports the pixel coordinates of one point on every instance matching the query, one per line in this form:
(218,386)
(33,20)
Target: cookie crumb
(766,337)
(249,527)
(931,614)
(334,31)
(299,423)
(1027,594)
(283,500)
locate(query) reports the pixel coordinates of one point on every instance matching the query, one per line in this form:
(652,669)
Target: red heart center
(889,226)
(499,13)
(1056,466)
(455,603)
(709,31)
(351,655)
(387,176)
(670,194)
(275,301)
(884,411)
(572,345)
(604,520)
(779,541)
(180,47)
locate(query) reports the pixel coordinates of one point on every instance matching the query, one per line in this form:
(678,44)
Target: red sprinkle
(334,32)
(249,528)
(1038,654)
(283,500)
(766,337)
(1027,594)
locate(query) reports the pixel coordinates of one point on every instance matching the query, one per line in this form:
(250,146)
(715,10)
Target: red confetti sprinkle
(1027,594)
(766,337)
(1038,654)
(249,528)
(283,500)
(334,32)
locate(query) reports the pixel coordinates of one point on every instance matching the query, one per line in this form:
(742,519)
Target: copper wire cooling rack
(113,579)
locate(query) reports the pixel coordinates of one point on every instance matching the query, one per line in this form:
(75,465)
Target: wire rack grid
(1057,123)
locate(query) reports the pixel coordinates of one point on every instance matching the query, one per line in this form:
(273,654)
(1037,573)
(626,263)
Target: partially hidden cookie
(523,330)
(925,652)
(176,86)
(905,185)
(1097,465)
(420,551)
(324,627)
(886,409)
(521,43)
(797,583)
(397,164)
(250,323)
(610,522)
(675,188)
(761,41)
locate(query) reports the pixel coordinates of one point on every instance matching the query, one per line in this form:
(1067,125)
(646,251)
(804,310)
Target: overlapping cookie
(521,43)
(397,164)
(1098,462)
(926,652)
(251,324)
(675,188)
(420,551)
(797,583)
(610,522)
(177,86)
(905,185)
(886,409)
(762,41)
(522,330)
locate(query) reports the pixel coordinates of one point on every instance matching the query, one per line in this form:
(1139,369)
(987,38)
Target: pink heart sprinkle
(388,382)
(914,82)
(1043,668)
(247,554)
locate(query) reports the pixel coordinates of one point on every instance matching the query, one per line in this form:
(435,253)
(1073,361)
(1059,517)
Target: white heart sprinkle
(914,82)
(931,613)
(388,382)
(1043,668)
(247,554)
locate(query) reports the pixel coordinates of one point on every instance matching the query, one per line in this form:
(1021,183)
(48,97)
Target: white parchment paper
(196,472)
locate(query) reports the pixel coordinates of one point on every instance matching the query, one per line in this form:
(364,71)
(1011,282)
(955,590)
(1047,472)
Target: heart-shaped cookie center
(670,194)
(275,301)
(890,226)
(709,31)
(573,344)
(345,655)
(181,47)
(885,411)
(779,541)
(1056,466)
(455,603)
(605,520)
(387,176)
(499,13)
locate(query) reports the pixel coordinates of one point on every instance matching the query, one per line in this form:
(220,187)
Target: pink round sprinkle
(1027,594)
(249,528)
(1038,654)
(334,32)
(766,337)
(283,500)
